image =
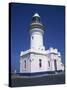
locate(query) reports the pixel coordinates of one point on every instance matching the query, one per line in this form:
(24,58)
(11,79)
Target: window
(49,63)
(40,63)
(55,64)
(42,49)
(35,19)
(24,63)
(32,37)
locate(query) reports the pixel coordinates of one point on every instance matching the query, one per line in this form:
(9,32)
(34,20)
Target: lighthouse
(37,59)
(36,33)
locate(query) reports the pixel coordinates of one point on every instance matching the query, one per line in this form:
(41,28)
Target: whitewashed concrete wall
(58,62)
(35,63)
(37,40)
(22,64)
(32,63)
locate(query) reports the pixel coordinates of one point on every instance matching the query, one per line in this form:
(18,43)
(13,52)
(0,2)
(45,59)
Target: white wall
(37,41)
(35,63)
(22,67)
(58,62)
(32,62)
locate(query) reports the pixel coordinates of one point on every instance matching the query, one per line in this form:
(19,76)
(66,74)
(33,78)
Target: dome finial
(36,15)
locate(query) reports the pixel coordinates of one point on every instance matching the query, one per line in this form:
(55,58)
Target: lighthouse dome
(36,15)
(36,22)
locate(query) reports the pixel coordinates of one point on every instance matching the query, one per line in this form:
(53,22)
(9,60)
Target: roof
(36,15)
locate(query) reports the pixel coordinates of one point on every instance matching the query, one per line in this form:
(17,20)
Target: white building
(37,58)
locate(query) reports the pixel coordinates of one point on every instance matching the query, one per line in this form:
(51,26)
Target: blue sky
(52,17)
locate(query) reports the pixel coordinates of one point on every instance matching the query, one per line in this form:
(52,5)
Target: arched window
(55,64)
(40,63)
(32,37)
(25,64)
(49,63)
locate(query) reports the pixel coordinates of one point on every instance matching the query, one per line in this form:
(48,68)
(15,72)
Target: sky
(53,19)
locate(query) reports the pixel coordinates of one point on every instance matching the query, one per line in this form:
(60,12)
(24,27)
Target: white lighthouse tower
(37,59)
(36,33)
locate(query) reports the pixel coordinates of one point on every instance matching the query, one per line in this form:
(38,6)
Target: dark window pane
(40,63)
(25,64)
(49,63)
(55,64)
